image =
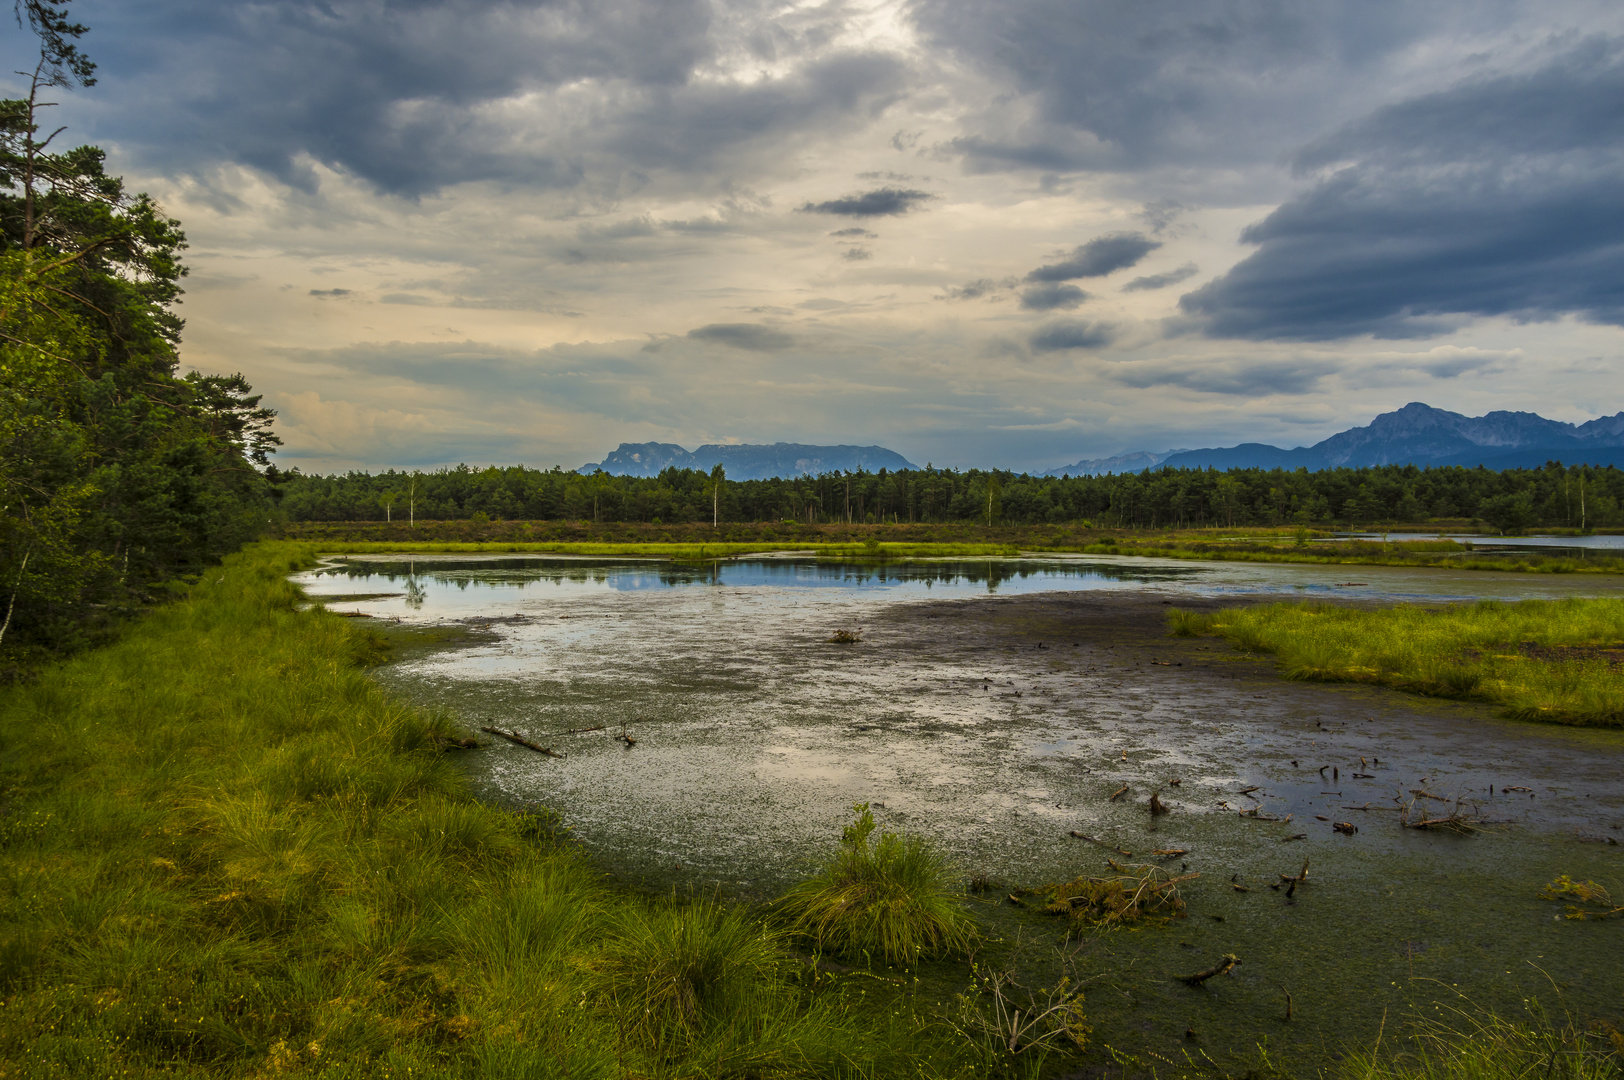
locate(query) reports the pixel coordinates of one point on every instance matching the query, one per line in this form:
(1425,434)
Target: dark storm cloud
(1072,334)
(1242,379)
(1052,296)
(1129,86)
(1501,196)
(971,290)
(855,231)
(335,293)
(413,96)
(752,337)
(881,202)
(1162,281)
(1098,257)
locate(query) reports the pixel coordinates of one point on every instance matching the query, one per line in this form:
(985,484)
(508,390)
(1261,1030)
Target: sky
(1011,233)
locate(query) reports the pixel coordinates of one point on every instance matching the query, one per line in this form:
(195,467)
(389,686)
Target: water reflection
(989,575)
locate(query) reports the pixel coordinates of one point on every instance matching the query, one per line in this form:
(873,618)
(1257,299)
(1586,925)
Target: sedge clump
(887,897)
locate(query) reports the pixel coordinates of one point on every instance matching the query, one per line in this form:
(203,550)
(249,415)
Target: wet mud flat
(1000,725)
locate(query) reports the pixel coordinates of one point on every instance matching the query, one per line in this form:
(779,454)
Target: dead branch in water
(1104,844)
(1143,892)
(1157,807)
(1454,821)
(515,737)
(1119,792)
(1229,963)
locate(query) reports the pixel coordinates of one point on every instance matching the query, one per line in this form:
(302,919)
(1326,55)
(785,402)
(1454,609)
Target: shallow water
(1604,542)
(994,706)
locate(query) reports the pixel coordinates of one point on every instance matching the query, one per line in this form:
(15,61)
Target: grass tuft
(889,898)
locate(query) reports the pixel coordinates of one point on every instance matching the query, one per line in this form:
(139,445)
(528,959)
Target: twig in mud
(1119,792)
(1157,807)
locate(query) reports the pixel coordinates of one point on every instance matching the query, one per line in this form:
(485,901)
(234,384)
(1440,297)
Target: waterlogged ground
(995,707)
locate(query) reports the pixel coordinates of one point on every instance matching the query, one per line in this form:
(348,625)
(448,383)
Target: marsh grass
(224,851)
(1552,660)
(1463,1045)
(888,898)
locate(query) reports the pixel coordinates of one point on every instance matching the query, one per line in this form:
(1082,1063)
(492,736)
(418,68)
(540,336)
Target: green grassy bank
(224,851)
(1554,660)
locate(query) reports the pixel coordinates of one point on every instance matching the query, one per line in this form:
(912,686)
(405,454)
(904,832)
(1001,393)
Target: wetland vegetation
(1554,660)
(227,851)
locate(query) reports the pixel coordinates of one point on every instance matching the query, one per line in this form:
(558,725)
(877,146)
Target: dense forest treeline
(1555,496)
(117,473)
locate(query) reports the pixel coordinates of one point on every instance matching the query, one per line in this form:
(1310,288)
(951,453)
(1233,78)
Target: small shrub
(893,898)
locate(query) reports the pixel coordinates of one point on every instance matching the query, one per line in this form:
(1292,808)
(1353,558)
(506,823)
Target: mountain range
(748,461)
(1416,434)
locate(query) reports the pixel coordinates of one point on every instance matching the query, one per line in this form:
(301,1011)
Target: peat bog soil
(999,726)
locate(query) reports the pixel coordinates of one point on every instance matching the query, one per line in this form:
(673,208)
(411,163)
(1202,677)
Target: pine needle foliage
(887,898)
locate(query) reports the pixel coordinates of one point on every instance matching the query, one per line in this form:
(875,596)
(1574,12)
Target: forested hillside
(1555,496)
(117,473)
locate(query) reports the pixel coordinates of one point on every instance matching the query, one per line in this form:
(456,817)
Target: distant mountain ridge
(1417,434)
(748,461)
(1138,461)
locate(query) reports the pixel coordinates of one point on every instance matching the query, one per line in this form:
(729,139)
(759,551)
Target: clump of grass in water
(892,898)
(1552,660)
(1587,900)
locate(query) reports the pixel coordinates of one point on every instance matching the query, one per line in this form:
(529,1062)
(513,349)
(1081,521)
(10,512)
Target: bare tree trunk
(15,589)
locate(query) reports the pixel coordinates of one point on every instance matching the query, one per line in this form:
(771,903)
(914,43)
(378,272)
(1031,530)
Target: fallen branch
(515,737)
(1104,844)
(1229,963)
(1121,791)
